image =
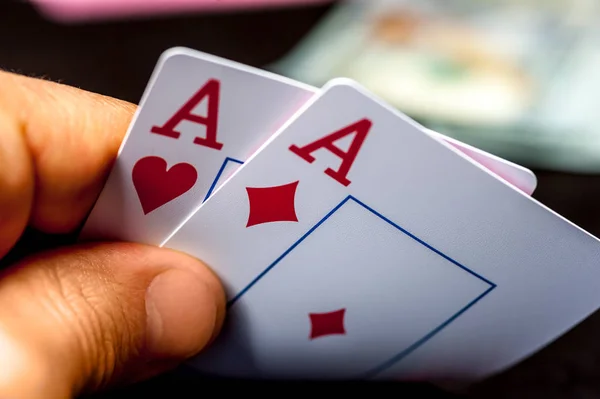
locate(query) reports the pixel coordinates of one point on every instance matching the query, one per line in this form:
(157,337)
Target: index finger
(58,144)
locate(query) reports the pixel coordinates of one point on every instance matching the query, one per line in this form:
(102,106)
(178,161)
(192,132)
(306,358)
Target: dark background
(117,58)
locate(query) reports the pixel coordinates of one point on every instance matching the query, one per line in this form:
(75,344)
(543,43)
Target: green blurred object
(445,70)
(520,79)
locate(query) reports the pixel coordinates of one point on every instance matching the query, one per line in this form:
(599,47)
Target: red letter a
(211,91)
(360,129)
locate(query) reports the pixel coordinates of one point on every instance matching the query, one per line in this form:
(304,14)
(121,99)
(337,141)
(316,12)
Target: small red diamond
(323,324)
(272,204)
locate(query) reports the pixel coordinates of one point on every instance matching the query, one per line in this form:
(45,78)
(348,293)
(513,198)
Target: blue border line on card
(398,357)
(219,173)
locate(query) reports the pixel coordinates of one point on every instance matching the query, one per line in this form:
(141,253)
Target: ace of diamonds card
(346,252)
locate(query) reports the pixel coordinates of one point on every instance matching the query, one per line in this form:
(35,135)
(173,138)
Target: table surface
(117,58)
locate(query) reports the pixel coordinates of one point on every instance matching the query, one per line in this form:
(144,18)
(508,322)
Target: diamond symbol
(323,324)
(272,204)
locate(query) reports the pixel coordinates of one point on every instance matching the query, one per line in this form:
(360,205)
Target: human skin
(84,318)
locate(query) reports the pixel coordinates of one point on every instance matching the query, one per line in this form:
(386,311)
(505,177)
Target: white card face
(345,309)
(347,253)
(200,118)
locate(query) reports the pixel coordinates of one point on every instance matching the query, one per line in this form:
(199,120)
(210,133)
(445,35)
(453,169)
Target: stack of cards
(353,243)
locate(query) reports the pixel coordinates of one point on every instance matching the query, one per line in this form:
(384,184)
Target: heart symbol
(155,185)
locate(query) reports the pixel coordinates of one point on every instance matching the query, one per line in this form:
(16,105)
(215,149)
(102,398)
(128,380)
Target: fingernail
(181,313)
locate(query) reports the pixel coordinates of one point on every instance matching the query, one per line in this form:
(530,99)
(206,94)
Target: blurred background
(520,79)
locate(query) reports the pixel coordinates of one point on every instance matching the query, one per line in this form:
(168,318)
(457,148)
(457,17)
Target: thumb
(82,318)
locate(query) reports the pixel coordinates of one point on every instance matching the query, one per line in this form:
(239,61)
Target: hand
(81,318)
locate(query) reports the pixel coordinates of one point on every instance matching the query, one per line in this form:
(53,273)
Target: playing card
(83,10)
(347,253)
(514,174)
(198,121)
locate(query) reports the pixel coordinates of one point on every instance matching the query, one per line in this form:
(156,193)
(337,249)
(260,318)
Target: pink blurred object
(79,10)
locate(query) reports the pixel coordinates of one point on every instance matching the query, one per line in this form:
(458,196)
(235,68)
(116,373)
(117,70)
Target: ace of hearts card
(199,118)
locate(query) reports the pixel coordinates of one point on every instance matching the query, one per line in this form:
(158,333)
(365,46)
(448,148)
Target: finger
(84,318)
(60,141)
(16,183)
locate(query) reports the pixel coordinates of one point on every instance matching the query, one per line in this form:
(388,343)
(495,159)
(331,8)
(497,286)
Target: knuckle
(58,123)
